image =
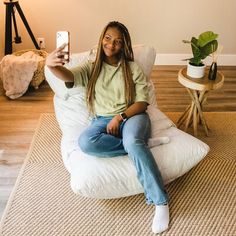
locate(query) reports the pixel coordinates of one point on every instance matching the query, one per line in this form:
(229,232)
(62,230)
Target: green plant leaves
(197,55)
(209,48)
(206,38)
(202,47)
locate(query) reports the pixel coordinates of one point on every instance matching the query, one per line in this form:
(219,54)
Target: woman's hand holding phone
(58,57)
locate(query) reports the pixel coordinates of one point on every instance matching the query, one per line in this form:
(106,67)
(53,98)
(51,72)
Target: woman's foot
(152,142)
(161,219)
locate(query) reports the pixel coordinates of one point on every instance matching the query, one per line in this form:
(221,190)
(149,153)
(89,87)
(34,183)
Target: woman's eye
(118,42)
(107,37)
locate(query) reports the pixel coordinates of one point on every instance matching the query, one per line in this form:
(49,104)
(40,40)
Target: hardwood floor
(18,118)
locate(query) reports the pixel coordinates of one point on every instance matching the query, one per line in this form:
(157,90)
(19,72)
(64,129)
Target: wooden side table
(198,90)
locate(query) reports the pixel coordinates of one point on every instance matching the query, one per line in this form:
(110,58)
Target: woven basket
(38,76)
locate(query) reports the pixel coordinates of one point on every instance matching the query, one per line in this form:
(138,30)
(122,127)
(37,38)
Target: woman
(117,97)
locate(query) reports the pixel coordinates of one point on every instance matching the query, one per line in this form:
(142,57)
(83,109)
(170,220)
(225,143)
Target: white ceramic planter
(195,71)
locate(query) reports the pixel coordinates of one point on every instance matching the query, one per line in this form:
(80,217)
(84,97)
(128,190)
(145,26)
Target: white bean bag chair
(115,177)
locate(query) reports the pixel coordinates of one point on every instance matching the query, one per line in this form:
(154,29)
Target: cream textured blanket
(16,72)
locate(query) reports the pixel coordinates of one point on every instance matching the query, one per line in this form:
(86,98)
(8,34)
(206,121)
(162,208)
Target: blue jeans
(134,134)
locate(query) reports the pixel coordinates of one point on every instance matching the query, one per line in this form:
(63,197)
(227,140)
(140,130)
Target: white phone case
(63,37)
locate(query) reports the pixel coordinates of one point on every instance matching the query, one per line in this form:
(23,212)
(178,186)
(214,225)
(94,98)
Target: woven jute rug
(202,202)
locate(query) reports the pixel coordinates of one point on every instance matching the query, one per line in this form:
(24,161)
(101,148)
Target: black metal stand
(11,5)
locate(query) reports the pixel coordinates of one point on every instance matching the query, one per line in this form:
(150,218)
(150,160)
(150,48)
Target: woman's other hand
(113,126)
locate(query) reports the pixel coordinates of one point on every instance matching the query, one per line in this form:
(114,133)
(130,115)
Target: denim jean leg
(96,142)
(136,132)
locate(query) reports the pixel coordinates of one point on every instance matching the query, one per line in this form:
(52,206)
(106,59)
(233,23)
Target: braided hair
(126,55)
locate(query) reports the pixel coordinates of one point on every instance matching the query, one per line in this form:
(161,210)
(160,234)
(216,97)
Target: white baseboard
(177,59)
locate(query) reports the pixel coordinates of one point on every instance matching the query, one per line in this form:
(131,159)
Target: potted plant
(203,46)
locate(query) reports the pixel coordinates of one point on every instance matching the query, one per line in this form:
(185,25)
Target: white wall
(162,24)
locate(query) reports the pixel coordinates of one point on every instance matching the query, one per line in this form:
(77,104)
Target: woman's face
(112,42)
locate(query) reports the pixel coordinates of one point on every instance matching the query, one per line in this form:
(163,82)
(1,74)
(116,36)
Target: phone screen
(63,37)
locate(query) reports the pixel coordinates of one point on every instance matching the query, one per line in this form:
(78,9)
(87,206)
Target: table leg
(183,117)
(190,116)
(197,112)
(195,120)
(199,108)
(193,113)
(202,98)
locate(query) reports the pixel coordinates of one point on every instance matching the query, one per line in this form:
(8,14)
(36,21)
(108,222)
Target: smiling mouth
(109,49)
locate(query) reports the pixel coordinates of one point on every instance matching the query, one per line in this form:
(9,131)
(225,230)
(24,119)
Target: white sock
(161,219)
(152,142)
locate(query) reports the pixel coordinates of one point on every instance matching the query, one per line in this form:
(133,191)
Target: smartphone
(64,37)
